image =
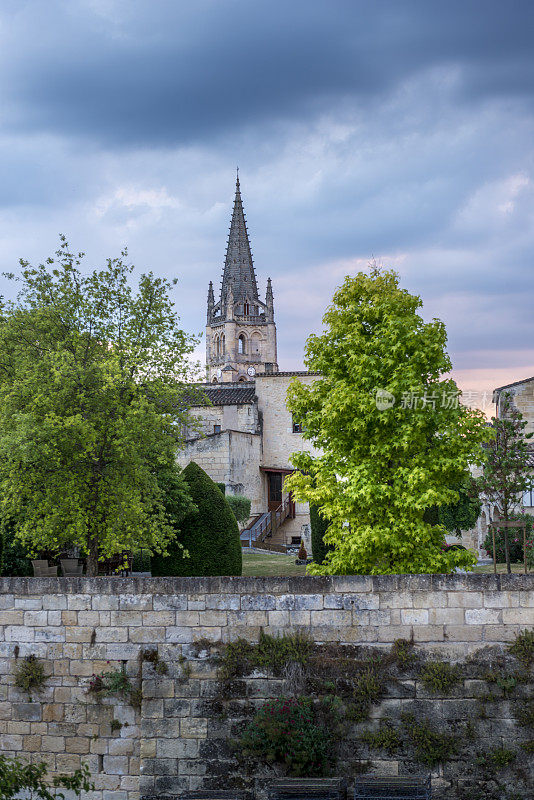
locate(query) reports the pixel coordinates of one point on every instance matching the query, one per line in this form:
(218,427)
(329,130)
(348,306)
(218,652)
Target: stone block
(177,602)
(463,633)
(126,618)
(465,599)
(19,633)
(416,616)
(446,616)
(482,616)
(278,619)
(193,728)
(213,618)
(29,712)
(53,618)
(223,602)
(53,744)
(147,635)
(13,617)
(517,616)
(335,617)
(105,602)
(111,635)
(56,634)
(89,618)
(29,603)
(116,765)
(78,634)
(501,599)
(79,602)
(428,633)
(429,600)
(395,599)
(158,618)
(258,602)
(138,602)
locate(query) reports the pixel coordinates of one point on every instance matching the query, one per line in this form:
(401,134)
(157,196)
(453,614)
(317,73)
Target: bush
(515,540)
(240,506)
(14,559)
(319,526)
(17,778)
(209,533)
(291,731)
(222,487)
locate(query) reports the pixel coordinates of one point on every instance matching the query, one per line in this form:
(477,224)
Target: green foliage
(402,653)
(464,513)
(523,647)
(222,487)
(18,778)
(319,526)
(515,540)
(30,675)
(116,725)
(240,657)
(15,561)
(507,471)
(367,689)
(240,505)
(497,759)
(528,747)
(431,747)
(439,676)
(293,731)
(381,467)
(209,533)
(114,681)
(152,656)
(525,714)
(385,738)
(91,399)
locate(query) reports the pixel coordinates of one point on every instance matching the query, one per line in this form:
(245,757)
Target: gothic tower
(240,329)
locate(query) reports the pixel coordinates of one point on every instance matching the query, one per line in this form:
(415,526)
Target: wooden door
(274,490)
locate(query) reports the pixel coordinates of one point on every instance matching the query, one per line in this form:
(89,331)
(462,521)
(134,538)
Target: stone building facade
(246,434)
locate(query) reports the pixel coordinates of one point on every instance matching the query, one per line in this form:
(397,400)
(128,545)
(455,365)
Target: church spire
(238,267)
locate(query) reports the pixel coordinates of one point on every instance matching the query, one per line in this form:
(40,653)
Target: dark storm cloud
(392,128)
(167,73)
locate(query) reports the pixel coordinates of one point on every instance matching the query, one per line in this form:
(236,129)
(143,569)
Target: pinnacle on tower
(211,301)
(269,300)
(238,267)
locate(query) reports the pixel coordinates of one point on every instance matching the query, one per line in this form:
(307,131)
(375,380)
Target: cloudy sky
(399,129)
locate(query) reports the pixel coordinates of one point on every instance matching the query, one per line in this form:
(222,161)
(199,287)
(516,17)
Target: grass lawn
(258,564)
(276,564)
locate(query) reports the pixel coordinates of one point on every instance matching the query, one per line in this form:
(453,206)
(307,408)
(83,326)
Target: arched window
(217,347)
(242,344)
(242,379)
(246,309)
(223,344)
(215,380)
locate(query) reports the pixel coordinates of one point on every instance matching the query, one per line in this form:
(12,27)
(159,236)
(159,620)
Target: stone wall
(178,737)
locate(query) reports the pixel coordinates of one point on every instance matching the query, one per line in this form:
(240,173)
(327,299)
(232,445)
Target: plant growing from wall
(523,647)
(431,747)
(112,682)
(21,779)
(440,676)
(393,436)
(507,471)
(293,731)
(152,656)
(30,675)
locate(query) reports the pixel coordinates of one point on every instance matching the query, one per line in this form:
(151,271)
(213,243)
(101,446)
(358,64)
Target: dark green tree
(506,468)
(208,542)
(319,526)
(240,505)
(462,515)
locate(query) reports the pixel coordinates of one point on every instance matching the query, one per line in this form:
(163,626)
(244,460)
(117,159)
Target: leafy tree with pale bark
(92,387)
(393,435)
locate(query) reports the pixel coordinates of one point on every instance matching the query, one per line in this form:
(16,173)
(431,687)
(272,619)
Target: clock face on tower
(251,371)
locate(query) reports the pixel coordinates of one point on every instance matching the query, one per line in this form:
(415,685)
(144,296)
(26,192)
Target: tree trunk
(506,541)
(92,556)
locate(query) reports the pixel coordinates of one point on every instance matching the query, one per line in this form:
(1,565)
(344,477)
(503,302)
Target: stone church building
(246,434)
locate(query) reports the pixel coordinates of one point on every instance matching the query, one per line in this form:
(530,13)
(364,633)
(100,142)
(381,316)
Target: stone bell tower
(240,329)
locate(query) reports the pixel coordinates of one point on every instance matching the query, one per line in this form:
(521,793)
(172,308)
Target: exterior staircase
(260,531)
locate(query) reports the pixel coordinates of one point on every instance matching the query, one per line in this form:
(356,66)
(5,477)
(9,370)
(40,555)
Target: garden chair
(41,569)
(71,567)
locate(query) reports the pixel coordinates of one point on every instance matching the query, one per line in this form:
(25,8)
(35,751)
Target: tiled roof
(220,395)
(516,383)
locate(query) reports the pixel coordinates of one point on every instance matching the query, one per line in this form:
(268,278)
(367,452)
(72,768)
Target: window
(223,345)
(246,309)
(297,426)
(216,429)
(241,344)
(528,498)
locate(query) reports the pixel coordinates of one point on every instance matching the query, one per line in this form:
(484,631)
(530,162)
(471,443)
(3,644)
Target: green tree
(464,513)
(319,526)
(393,436)
(92,387)
(507,474)
(209,534)
(240,505)
(14,558)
